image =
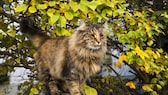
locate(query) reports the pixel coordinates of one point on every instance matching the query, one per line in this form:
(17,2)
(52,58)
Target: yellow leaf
(119,64)
(33,2)
(10,1)
(130,84)
(138,50)
(122,58)
(115,65)
(32,9)
(141,53)
(147,26)
(155,55)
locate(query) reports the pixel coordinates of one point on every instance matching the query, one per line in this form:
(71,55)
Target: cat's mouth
(94,47)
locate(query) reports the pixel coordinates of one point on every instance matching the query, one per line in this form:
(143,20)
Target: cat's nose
(98,43)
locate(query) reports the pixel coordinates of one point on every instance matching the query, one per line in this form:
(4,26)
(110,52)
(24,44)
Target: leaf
(150,43)
(68,15)
(110,4)
(10,1)
(109,12)
(65,32)
(31,52)
(42,6)
(162,83)
(166,74)
(50,12)
(62,21)
(32,9)
(156,55)
(159,87)
(74,6)
(83,8)
(11,33)
(52,3)
(21,8)
(33,2)
(17,60)
(1,36)
(147,87)
(64,6)
(58,31)
(122,58)
(130,84)
(89,90)
(34,90)
(94,4)
(40,85)
(54,18)
(138,50)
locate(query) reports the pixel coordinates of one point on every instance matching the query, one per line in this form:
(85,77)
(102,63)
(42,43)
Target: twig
(118,76)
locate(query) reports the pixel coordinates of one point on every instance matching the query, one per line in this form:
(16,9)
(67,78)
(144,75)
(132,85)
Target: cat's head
(91,36)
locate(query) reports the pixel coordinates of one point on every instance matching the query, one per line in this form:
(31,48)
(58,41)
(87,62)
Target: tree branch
(118,76)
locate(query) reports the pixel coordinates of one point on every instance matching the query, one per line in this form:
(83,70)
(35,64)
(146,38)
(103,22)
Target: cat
(64,63)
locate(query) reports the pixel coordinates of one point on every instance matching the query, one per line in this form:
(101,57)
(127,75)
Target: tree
(137,28)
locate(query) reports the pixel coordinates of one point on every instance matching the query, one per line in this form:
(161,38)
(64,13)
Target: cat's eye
(101,35)
(92,35)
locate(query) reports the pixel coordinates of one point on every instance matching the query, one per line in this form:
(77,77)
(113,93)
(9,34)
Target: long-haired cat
(64,63)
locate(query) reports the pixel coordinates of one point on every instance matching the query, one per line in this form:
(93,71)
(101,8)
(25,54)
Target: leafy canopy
(132,30)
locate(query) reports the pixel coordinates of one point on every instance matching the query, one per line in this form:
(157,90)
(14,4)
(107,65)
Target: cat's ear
(82,25)
(105,25)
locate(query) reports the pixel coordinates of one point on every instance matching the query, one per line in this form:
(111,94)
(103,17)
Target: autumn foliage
(136,28)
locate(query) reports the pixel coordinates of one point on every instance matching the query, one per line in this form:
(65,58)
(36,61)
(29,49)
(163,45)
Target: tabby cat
(64,63)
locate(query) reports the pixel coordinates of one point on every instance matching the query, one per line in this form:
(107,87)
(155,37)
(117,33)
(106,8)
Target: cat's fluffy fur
(64,63)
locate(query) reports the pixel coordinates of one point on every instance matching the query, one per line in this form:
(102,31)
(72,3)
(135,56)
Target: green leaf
(62,21)
(147,87)
(94,4)
(65,32)
(42,6)
(68,15)
(54,18)
(1,36)
(110,4)
(21,8)
(31,52)
(150,43)
(11,33)
(159,87)
(166,74)
(109,12)
(17,60)
(162,83)
(89,90)
(64,6)
(58,31)
(115,13)
(74,6)
(52,3)
(83,8)
(50,12)
(32,9)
